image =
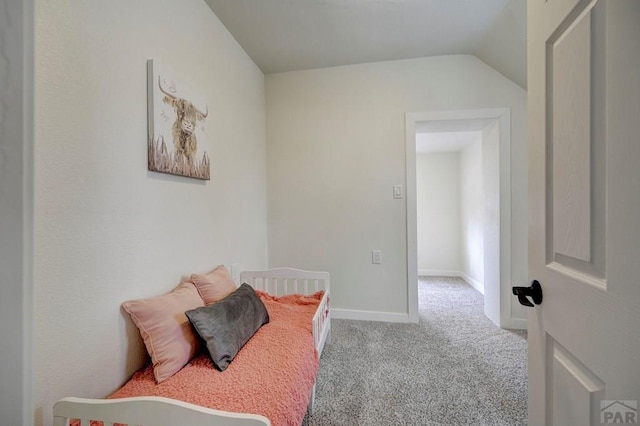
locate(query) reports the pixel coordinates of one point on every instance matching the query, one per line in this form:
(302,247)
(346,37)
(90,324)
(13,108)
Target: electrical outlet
(376,257)
(235,272)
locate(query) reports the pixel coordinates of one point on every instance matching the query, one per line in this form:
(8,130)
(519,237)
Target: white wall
(472,205)
(14,212)
(336,140)
(106,229)
(438,209)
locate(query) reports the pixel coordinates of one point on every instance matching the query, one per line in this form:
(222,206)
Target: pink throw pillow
(215,285)
(165,329)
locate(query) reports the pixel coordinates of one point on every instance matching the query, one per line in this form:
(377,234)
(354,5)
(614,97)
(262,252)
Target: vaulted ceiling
(287,35)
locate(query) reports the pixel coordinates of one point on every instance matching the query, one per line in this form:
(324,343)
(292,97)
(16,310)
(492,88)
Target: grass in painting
(161,160)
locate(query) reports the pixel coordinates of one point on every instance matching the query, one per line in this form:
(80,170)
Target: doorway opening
(493,266)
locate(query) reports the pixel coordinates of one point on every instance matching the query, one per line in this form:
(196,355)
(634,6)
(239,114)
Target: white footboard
(158,411)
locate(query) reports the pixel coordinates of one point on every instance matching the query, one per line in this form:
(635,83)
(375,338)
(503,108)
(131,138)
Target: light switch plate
(397,191)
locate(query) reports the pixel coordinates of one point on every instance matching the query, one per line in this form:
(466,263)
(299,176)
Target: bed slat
(283,281)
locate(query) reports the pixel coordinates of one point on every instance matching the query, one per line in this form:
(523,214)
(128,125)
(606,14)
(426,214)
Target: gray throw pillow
(229,323)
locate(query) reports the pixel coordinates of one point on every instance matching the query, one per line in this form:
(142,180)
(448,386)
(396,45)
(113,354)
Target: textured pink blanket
(272,375)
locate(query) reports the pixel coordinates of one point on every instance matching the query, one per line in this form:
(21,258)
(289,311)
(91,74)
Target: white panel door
(584,198)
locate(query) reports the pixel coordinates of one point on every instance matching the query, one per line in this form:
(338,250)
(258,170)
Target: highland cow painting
(177,138)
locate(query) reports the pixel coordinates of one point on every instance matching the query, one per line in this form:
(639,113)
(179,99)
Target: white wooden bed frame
(158,411)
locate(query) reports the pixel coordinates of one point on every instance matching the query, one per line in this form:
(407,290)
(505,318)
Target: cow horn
(164,91)
(205,114)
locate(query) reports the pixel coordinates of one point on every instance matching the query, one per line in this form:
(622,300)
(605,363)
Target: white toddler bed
(159,411)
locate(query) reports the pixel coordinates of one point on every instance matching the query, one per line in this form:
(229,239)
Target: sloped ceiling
(288,35)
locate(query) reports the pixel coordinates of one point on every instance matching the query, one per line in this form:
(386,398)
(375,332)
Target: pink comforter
(272,375)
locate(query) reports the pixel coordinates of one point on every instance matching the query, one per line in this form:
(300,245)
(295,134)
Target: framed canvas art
(177,137)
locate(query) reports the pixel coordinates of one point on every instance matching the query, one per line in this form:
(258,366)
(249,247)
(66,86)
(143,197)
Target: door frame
(503,118)
(16,215)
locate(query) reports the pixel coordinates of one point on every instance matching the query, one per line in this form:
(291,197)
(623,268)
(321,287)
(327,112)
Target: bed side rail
(322,323)
(149,410)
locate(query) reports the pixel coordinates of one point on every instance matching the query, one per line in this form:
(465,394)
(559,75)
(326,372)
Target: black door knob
(534,291)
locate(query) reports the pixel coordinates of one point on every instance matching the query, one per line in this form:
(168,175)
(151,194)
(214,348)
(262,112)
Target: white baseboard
(437,273)
(351,314)
(446,273)
(472,282)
